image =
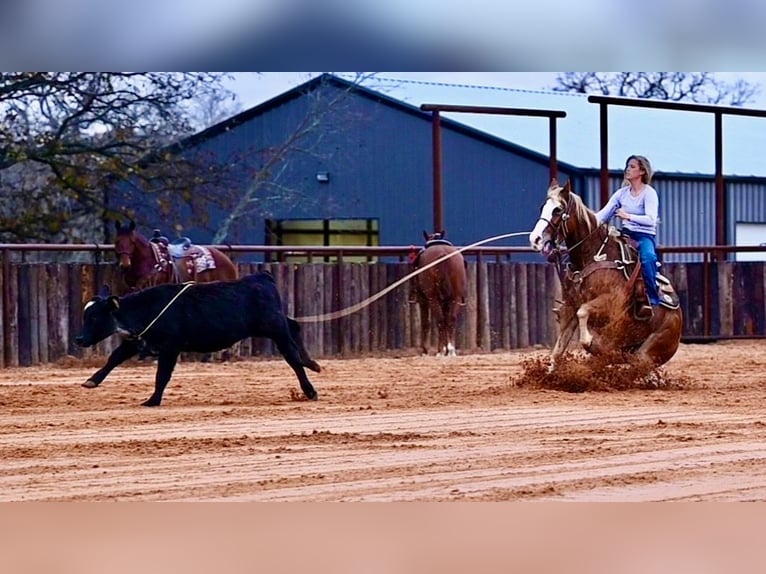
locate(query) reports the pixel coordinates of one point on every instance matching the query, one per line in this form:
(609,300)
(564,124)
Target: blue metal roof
(674,141)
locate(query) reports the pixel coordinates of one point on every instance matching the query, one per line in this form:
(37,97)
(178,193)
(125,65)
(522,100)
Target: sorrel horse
(440,291)
(145,263)
(602,285)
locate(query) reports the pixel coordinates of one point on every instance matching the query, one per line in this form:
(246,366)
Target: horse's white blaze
(546,214)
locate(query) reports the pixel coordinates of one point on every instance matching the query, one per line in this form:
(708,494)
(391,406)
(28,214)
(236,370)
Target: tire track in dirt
(449,460)
(385,429)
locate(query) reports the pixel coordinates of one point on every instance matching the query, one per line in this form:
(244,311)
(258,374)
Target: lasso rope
(173,300)
(370,300)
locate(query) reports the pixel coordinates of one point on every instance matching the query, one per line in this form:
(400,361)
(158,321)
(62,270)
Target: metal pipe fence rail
(511,294)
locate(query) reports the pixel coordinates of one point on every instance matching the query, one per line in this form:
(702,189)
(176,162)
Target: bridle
(560,228)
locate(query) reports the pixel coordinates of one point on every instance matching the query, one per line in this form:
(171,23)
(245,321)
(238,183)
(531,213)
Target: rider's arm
(606,212)
(651,209)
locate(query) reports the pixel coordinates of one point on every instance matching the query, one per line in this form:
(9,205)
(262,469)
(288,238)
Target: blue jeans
(647,253)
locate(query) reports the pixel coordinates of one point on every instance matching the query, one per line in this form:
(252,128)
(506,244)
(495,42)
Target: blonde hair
(645,165)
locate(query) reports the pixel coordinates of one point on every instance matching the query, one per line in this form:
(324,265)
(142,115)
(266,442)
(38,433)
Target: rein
(560,230)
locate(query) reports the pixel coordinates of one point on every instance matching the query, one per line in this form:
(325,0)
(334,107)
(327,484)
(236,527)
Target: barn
(358,166)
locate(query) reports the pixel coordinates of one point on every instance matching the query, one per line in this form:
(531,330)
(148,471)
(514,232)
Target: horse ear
(132,225)
(104,292)
(443,234)
(117,224)
(425,235)
(554,182)
(567,187)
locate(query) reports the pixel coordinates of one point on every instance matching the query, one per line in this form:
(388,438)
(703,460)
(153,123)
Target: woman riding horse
(637,205)
(599,282)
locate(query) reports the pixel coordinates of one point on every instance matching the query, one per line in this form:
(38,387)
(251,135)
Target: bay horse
(440,291)
(144,263)
(602,287)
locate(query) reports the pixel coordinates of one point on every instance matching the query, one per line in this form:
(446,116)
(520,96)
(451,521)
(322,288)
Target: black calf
(196,317)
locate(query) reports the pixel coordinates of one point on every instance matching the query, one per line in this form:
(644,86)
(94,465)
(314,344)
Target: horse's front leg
(562,342)
(593,308)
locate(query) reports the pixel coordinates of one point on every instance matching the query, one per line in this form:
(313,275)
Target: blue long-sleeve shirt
(643,209)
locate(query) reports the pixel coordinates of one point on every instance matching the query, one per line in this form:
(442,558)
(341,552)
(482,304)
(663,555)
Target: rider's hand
(622,214)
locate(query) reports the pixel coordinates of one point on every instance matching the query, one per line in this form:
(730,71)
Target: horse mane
(581,211)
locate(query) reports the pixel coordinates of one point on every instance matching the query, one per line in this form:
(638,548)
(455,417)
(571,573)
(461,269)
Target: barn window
(356,232)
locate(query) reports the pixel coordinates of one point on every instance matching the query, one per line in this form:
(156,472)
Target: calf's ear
(114,302)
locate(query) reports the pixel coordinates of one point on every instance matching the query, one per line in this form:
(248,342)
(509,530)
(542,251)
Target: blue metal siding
(380,165)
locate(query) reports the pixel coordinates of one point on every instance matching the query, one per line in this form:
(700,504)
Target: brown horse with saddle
(440,290)
(601,282)
(145,263)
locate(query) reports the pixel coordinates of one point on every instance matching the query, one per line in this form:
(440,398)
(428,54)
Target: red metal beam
(435,109)
(438,193)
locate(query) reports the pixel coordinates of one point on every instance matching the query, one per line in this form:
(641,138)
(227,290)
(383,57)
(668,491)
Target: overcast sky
(254,89)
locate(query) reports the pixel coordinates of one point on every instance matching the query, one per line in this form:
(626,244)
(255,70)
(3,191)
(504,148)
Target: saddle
(630,258)
(196,258)
(415,253)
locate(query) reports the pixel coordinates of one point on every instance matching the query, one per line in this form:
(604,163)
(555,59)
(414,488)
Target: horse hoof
(89,384)
(150,403)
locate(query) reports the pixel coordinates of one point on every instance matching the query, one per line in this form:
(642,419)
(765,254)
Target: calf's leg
(290,352)
(126,349)
(165,365)
(295,333)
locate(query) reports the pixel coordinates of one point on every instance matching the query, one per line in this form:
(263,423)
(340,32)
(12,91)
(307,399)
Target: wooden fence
(509,306)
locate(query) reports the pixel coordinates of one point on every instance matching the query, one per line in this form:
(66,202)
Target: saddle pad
(668,296)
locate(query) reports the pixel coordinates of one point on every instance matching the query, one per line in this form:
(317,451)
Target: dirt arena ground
(385,429)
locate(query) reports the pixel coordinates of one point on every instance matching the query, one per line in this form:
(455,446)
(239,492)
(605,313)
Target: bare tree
(699,87)
(213,107)
(268,187)
(65,137)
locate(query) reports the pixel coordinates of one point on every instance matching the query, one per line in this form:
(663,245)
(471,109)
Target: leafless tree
(699,87)
(65,137)
(268,187)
